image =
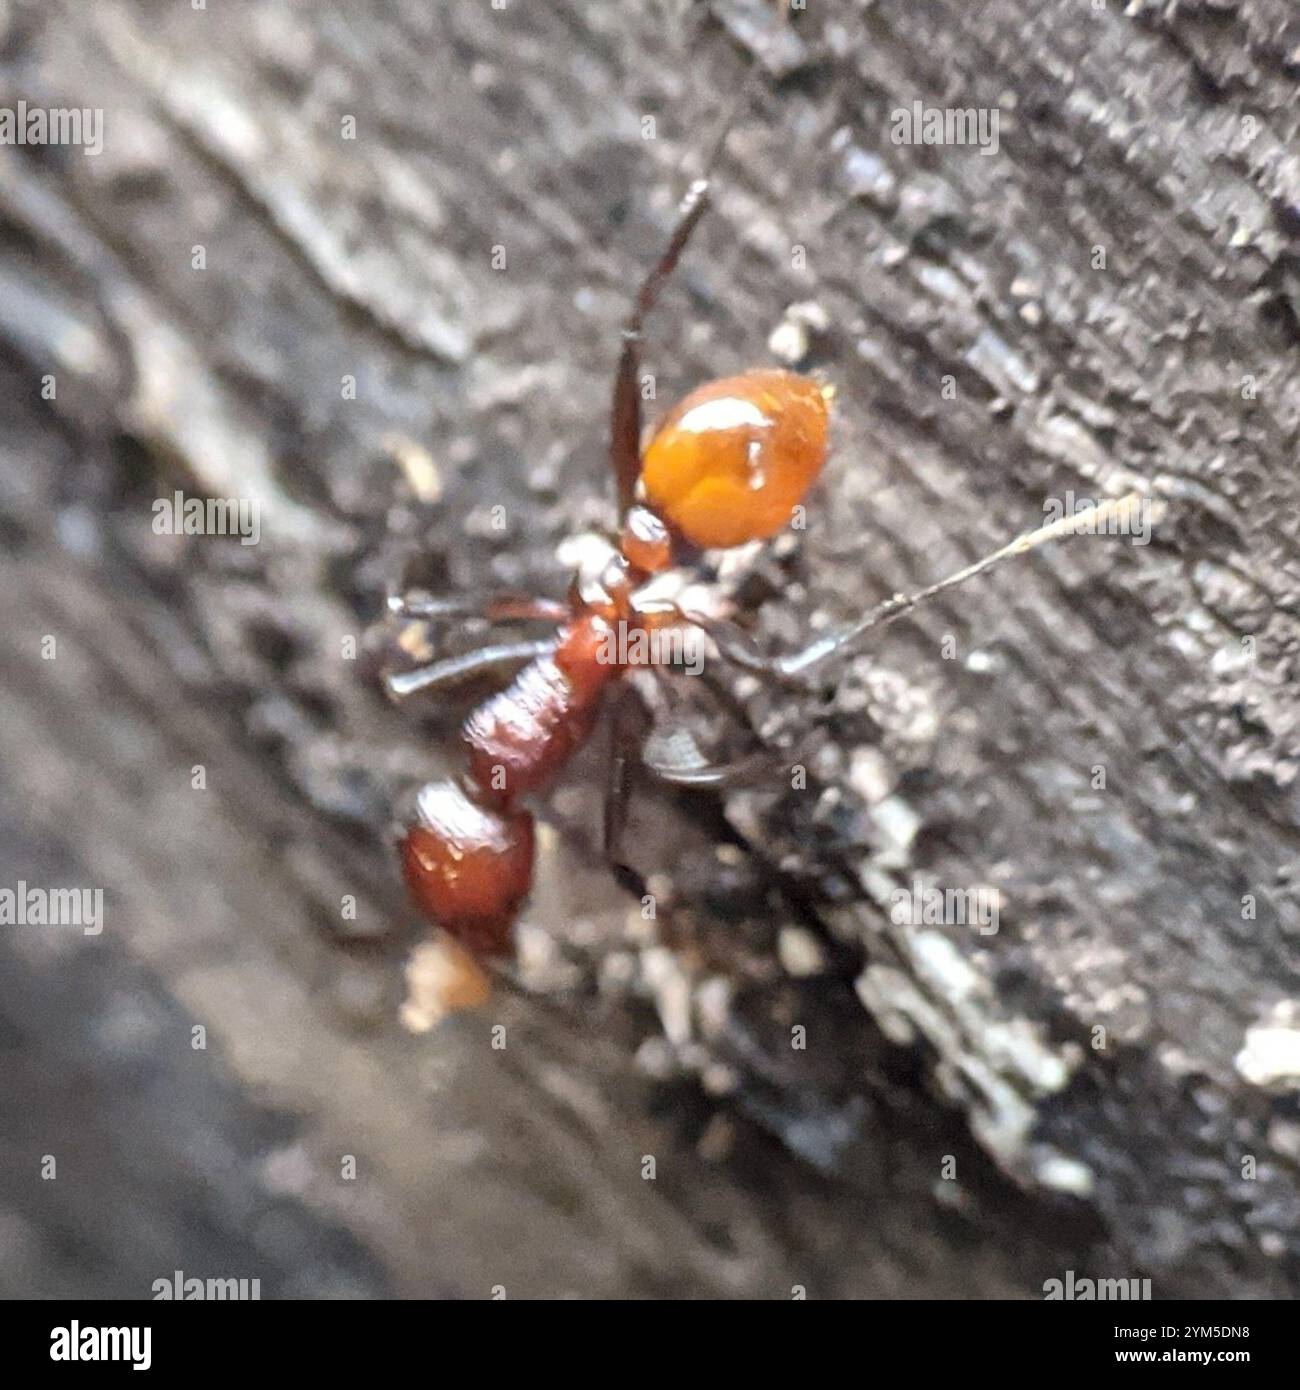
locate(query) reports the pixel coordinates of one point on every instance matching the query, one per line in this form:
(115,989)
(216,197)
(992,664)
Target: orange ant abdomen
(736,456)
(728,465)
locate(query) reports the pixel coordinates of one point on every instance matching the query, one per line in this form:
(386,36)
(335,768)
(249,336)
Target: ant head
(645,541)
(734,459)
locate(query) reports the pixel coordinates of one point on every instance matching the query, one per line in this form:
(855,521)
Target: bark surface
(365,265)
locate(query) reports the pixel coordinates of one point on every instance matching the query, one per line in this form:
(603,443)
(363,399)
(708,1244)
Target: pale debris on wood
(417,465)
(791,340)
(1271,1056)
(441,978)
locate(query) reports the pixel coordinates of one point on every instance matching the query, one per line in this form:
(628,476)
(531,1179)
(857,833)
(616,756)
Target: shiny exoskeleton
(727,466)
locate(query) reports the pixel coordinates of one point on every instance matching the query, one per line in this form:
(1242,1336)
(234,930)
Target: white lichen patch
(1271,1055)
(417,466)
(540,960)
(1064,1174)
(994,1065)
(871,774)
(713,1006)
(896,823)
(800,952)
(670,989)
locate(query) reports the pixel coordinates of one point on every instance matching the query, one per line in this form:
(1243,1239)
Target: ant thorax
(603,581)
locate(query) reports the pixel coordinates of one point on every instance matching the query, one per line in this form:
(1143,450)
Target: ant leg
(793,668)
(750,771)
(625,729)
(456,669)
(734,644)
(625,416)
(494,608)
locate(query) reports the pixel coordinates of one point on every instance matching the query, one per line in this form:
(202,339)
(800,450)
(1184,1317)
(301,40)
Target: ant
(726,467)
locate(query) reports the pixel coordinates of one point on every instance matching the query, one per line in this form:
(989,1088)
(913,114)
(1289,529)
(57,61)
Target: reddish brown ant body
(726,467)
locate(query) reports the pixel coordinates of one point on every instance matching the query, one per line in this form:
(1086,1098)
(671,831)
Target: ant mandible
(726,467)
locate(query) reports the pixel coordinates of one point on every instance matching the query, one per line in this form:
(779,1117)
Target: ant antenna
(625,415)
(1122,510)
(749,84)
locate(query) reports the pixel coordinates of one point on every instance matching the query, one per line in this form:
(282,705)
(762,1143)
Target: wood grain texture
(1166,137)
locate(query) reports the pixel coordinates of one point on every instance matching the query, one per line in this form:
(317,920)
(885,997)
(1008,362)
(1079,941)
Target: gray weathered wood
(1164,136)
